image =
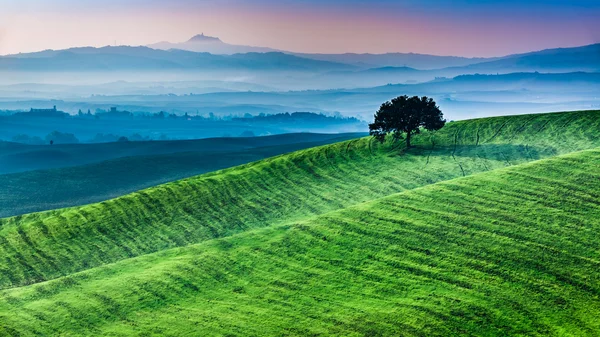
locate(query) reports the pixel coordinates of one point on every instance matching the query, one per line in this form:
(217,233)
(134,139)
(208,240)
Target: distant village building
(43,111)
(48,113)
(113,113)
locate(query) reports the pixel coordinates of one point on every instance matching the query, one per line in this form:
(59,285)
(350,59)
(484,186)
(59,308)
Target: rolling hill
(413,60)
(584,58)
(537,83)
(134,167)
(122,58)
(119,58)
(207,44)
(512,251)
(43,246)
(17,157)
(129,58)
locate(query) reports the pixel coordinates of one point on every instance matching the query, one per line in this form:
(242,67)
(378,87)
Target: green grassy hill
(275,191)
(509,252)
(41,190)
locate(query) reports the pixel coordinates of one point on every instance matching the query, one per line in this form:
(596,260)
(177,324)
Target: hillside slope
(42,190)
(42,246)
(508,252)
(16,157)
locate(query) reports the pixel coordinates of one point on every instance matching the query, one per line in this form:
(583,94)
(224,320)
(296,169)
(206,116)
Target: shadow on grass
(487,151)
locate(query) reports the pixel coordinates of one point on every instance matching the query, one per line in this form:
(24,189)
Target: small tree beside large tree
(405,115)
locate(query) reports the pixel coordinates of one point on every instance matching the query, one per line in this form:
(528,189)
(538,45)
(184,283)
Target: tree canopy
(56,137)
(405,115)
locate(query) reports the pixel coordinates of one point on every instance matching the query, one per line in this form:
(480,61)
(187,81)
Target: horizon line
(295,52)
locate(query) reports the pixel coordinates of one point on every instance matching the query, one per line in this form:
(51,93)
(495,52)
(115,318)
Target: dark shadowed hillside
(15,157)
(135,168)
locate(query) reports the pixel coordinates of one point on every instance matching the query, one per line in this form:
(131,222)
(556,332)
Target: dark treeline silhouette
(111,125)
(114,113)
(54,137)
(296,116)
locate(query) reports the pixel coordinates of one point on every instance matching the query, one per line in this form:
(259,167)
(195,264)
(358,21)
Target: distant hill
(208,44)
(564,82)
(412,60)
(585,58)
(375,77)
(287,71)
(400,70)
(205,52)
(147,59)
(533,80)
(214,45)
(360,93)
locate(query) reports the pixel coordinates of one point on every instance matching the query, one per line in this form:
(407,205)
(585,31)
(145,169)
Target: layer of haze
(443,27)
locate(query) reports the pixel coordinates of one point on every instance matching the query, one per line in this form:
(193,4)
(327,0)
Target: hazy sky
(444,27)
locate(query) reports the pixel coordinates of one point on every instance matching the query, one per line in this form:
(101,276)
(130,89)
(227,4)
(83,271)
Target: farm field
(485,227)
(146,165)
(512,251)
(17,157)
(292,187)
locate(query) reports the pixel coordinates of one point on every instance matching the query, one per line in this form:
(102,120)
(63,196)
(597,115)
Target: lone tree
(406,115)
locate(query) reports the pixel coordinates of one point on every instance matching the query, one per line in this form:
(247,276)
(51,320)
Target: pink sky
(34,25)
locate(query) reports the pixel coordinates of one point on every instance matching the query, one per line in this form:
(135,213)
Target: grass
(292,187)
(41,190)
(15,157)
(508,252)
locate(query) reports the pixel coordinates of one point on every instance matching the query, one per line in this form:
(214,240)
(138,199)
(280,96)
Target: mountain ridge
(584,58)
(210,44)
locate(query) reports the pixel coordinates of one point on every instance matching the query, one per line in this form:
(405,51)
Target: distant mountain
(203,52)
(214,45)
(418,61)
(201,38)
(373,77)
(565,78)
(125,58)
(208,44)
(585,58)
(548,82)
(390,70)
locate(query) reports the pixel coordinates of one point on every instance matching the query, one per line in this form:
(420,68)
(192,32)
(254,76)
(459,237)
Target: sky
(442,27)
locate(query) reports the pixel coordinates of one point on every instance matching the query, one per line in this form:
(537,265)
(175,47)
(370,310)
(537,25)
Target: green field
(41,190)
(459,235)
(509,252)
(16,157)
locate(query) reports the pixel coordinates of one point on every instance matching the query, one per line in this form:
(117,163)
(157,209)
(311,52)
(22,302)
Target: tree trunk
(408,139)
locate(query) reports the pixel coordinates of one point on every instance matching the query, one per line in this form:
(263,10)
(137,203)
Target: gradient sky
(442,27)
